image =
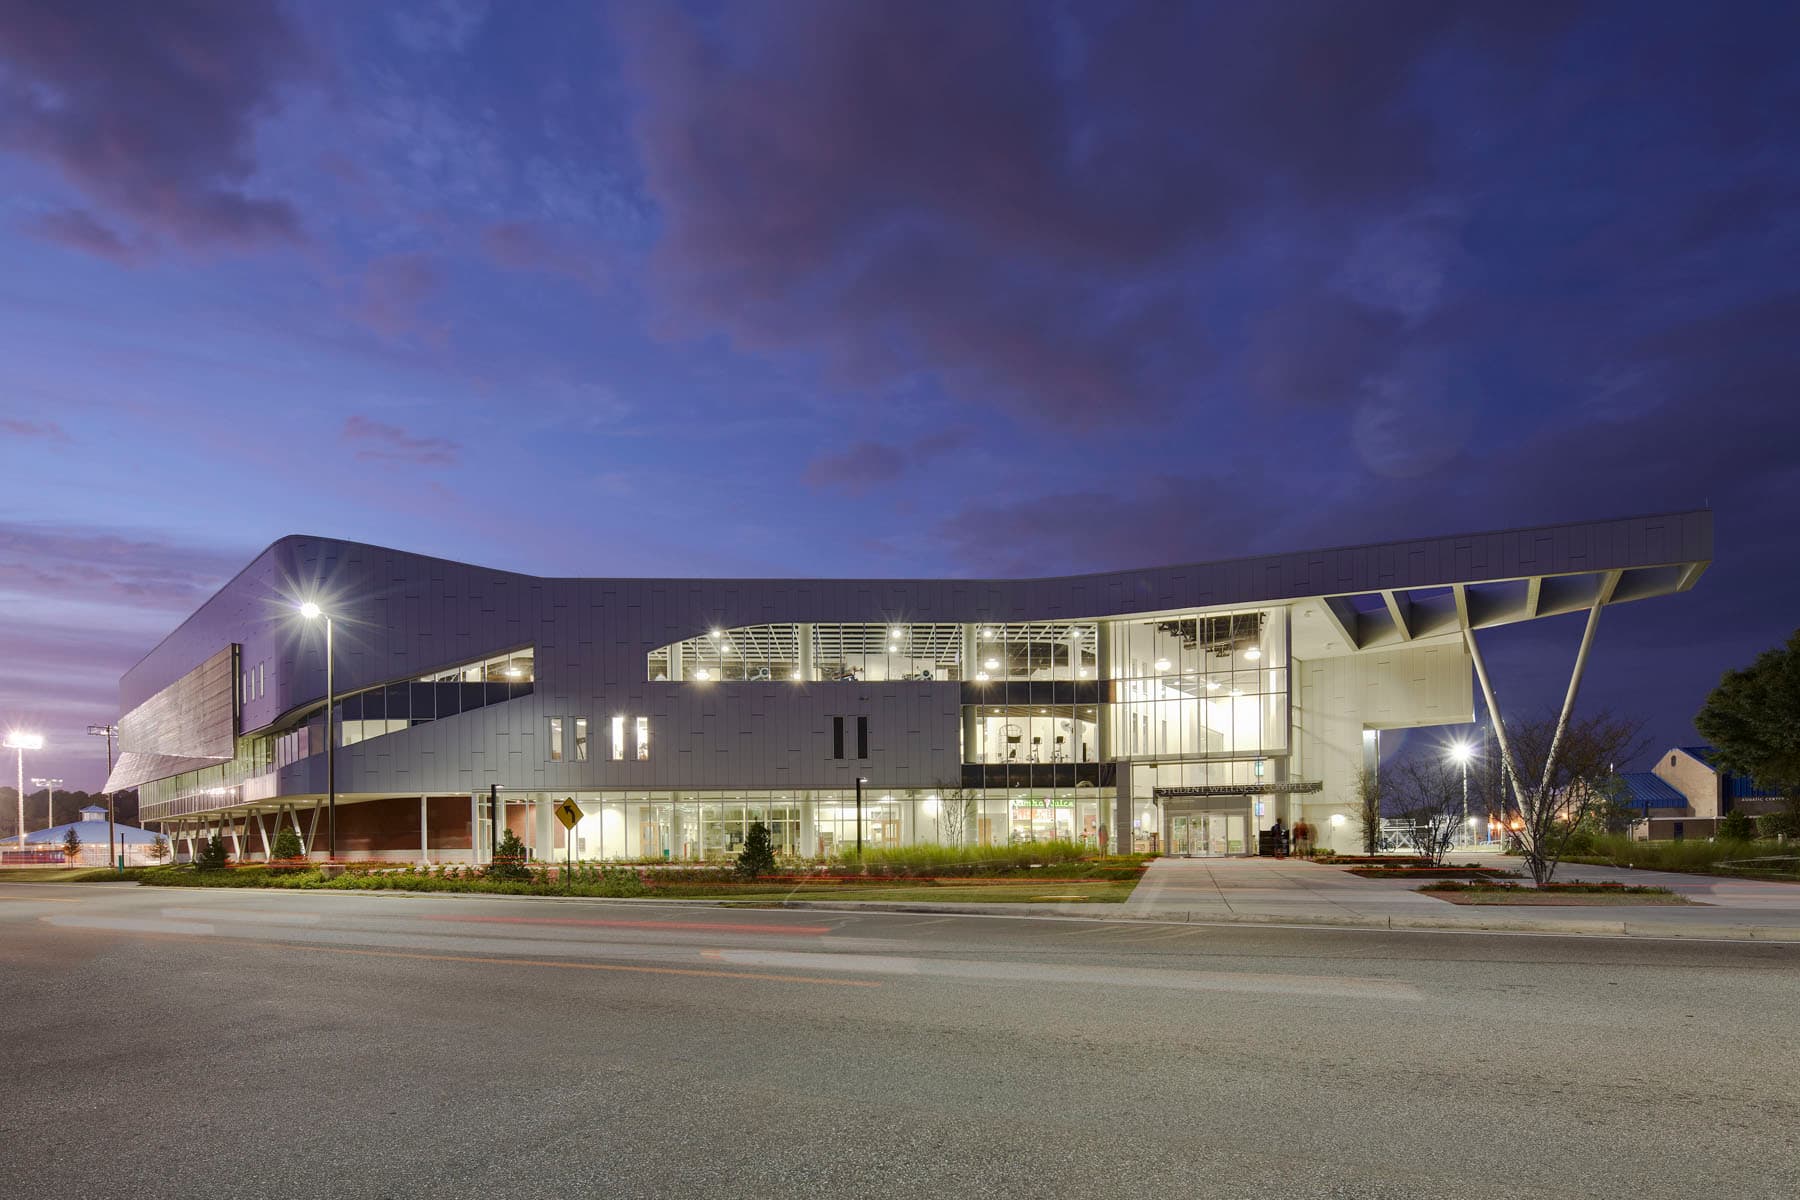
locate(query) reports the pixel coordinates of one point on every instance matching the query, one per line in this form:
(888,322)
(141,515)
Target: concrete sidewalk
(1289,891)
(1302,892)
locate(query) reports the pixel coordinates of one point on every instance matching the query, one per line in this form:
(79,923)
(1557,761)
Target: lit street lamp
(50,800)
(23,742)
(109,732)
(1462,752)
(312,611)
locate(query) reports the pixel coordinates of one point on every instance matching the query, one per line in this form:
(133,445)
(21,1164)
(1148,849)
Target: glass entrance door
(1208,834)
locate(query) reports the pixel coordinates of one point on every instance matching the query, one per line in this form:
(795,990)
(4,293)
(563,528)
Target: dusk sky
(892,289)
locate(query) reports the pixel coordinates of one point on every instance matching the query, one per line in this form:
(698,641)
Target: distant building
(1686,793)
(90,827)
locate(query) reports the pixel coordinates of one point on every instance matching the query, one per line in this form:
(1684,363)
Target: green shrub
(287,843)
(509,859)
(212,855)
(929,858)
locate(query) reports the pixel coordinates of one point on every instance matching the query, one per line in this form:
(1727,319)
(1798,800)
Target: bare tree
(1427,791)
(1368,808)
(1562,777)
(955,808)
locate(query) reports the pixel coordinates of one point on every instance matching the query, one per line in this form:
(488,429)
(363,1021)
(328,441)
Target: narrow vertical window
(643,738)
(618,739)
(837,737)
(556,739)
(862,737)
(581,741)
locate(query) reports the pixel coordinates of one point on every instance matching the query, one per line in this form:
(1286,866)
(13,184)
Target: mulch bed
(1529,898)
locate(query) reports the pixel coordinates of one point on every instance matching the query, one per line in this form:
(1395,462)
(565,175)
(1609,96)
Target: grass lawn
(1022,891)
(1740,860)
(55,874)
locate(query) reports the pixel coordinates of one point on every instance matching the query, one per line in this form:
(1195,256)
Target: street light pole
(309,610)
(109,732)
(859,782)
(1462,752)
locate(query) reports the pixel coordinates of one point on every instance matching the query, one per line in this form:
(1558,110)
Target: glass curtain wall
(1205,684)
(814,653)
(712,826)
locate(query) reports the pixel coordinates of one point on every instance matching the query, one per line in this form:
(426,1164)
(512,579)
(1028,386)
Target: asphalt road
(216,1043)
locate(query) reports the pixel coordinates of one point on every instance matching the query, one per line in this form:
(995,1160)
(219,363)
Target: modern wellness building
(1179,708)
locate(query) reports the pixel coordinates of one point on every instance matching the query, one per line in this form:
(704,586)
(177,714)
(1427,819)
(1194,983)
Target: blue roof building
(91,829)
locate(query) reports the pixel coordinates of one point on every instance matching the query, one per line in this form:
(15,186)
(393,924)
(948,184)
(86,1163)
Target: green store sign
(1045,802)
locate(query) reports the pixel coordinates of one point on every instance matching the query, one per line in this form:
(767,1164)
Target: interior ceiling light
(1253,653)
(796,677)
(992,664)
(1162,664)
(893,649)
(514,672)
(1212,685)
(895,632)
(1235,692)
(702,674)
(981,677)
(988,634)
(715,633)
(1082,673)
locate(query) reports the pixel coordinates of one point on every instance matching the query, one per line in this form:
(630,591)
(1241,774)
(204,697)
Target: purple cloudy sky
(814,287)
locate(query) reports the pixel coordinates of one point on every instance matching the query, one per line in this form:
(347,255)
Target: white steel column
(545,848)
(424,836)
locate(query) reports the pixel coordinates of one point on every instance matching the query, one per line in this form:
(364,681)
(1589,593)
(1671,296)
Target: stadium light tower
(50,800)
(109,732)
(21,741)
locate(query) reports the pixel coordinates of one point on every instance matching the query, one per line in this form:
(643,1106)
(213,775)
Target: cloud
(149,111)
(48,431)
(87,564)
(393,293)
(867,464)
(526,246)
(439,26)
(376,441)
(77,229)
(1018,205)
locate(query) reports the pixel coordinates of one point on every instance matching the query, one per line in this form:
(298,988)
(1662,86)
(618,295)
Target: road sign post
(569,813)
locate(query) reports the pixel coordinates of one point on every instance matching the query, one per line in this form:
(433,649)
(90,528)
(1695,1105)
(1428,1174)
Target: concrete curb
(1760,933)
(1772,935)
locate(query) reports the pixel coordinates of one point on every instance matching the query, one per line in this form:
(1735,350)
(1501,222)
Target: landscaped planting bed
(1575,894)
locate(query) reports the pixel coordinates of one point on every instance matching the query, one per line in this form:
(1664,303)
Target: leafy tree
(1368,808)
(1753,721)
(159,849)
(287,844)
(758,855)
(213,856)
(509,859)
(71,845)
(1736,826)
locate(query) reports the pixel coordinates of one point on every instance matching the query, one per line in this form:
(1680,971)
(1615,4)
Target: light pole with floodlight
(109,732)
(859,782)
(23,742)
(1462,752)
(49,800)
(311,611)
